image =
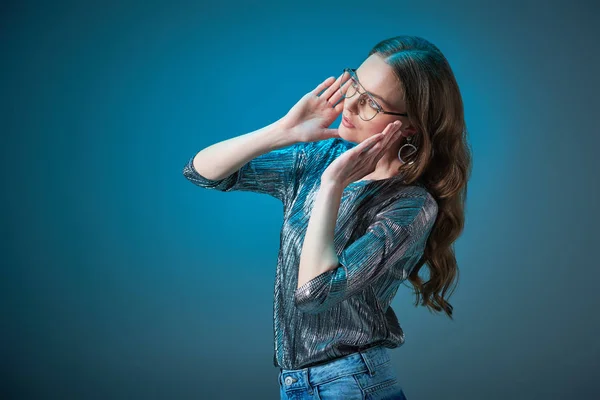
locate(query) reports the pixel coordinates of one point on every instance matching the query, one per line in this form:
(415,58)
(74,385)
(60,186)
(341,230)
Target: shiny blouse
(380,235)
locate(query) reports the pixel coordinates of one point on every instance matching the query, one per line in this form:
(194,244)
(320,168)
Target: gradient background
(123,280)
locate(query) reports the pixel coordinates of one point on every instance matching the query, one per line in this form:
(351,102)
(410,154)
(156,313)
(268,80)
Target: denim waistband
(361,361)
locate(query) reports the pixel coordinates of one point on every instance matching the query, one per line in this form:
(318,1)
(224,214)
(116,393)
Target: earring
(408,139)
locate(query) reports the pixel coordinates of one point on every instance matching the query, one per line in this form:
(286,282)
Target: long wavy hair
(442,162)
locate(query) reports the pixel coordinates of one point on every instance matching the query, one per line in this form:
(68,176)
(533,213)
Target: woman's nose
(352,104)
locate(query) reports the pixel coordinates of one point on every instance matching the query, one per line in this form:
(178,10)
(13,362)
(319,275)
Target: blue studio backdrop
(121,279)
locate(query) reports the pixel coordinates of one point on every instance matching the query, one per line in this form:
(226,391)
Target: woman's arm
(318,252)
(222,159)
(394,242)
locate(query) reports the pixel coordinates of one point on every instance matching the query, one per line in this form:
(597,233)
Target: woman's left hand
(361,160)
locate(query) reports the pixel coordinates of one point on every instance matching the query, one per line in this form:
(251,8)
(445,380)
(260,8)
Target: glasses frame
(352,73)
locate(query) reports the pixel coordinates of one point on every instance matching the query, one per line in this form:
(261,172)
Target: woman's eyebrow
(371,93)
(380,98)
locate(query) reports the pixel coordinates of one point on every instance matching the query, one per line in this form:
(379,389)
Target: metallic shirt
(380,234)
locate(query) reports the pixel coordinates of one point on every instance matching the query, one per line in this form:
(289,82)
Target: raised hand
(362,159)
(309,119)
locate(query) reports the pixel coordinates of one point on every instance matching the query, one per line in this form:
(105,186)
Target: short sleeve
(272,173)
(391,241)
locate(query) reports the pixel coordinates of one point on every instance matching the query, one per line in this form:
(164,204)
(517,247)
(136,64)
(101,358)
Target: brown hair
(442,162)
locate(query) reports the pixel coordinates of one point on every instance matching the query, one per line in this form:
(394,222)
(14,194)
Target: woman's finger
(323,85)
(339,107)
(392,133)
(368,144)
(371,149)
(332,90)
(392,126)
(385,137)
(337,93)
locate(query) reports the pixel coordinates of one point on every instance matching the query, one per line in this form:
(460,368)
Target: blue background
(121,279)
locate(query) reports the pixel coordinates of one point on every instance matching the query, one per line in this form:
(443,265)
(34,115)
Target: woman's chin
(347,134)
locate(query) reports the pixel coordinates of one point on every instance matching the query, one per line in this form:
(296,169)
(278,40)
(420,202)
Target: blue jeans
(364,375)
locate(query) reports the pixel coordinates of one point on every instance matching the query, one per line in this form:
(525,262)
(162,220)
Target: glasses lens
(367,109)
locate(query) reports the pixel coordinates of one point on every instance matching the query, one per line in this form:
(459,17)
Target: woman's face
(378,78)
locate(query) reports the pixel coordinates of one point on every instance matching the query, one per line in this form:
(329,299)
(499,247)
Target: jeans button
(288,380)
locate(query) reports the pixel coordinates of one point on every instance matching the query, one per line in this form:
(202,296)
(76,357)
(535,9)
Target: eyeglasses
(367,110)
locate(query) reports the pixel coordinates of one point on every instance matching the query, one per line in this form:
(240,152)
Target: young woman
(365,207)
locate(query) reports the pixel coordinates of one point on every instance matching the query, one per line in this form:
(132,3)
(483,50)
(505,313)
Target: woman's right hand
(311,116)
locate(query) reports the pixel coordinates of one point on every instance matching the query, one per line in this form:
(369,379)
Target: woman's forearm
(318,251)
(221,159)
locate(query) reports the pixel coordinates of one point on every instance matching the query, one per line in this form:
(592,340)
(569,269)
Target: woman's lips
(347,123)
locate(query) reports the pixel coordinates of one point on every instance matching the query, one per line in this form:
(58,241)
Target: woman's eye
(372,104)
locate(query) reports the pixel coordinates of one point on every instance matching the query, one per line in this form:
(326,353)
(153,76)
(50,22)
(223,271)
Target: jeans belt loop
(368,362)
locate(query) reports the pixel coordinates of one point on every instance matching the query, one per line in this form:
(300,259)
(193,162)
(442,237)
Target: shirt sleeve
(276,173)
(272,173)
(396,235)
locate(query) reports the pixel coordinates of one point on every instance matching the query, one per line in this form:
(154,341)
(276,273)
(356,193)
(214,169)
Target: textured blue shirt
(380,234)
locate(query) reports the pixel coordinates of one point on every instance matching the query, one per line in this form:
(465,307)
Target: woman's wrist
(283,135)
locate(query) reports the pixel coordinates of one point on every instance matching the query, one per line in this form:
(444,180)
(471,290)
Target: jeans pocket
(345,387)
(389,390)
(384,377)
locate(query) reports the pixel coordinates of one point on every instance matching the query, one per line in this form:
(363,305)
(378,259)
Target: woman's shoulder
(314,157)
(323,146)
(323,152)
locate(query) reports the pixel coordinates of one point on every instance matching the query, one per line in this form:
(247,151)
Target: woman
(359,219)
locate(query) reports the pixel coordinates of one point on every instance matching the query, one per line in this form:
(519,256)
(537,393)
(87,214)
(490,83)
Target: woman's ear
(407,134)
